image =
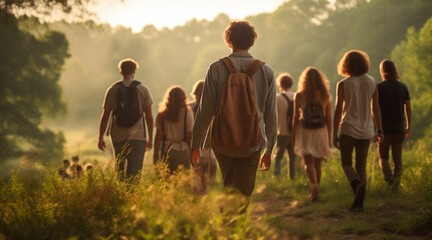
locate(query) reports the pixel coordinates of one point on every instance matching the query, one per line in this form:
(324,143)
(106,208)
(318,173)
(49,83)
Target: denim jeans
(129,157)
(284,143)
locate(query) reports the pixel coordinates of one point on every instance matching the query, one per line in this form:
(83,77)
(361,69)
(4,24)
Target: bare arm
(102,127)
(329,122)
(376,114)
(340,98)
(157,141)
(149,123)
(295,121)
(408,114)
(157,144)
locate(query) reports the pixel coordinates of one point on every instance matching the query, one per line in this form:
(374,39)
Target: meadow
(36,204)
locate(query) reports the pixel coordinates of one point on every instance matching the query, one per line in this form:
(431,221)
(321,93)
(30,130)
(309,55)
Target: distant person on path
(174,124)
(207,165)
(76,168)
(64,170)
(127,100)
(357,113)
(247,121)
(285,110)
(395,105)
(312,124)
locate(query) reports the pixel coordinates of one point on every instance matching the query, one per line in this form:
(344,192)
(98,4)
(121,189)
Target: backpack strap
(254,66)
(230,65)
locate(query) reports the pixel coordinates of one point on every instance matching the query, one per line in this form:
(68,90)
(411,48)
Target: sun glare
(169,13)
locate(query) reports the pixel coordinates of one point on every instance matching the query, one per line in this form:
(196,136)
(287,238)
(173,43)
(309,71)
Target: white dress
(313,142)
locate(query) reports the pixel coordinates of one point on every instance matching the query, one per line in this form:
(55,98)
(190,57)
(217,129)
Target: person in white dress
(312,140)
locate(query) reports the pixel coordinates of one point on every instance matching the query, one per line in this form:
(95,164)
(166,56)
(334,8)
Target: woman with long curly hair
(312,124)
(174,124)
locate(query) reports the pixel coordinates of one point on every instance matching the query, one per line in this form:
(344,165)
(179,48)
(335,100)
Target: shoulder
(267,69)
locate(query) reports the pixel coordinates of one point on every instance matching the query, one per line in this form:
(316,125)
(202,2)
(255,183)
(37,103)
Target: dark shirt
(392,97)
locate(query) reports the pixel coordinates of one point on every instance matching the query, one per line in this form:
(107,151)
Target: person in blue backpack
(125,101)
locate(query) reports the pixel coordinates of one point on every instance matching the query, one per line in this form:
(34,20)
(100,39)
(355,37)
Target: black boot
(360,192)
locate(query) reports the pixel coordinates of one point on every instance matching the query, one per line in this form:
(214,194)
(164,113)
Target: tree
(31,62)
(413,57)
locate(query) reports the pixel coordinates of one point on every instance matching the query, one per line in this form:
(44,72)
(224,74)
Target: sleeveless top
(357,121)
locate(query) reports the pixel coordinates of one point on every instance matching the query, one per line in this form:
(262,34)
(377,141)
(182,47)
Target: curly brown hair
(173,101)
(388,70)
(240,35)
(354,63)
(313,86)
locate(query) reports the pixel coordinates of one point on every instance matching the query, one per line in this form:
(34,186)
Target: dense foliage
(298,34)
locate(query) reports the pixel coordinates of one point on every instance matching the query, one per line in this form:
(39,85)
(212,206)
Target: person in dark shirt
(394,101)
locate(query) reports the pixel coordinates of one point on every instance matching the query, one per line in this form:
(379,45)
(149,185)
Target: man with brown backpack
(240,97)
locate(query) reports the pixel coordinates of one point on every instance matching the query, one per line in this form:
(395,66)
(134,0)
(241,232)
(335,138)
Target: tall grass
(98,206)
(37,204)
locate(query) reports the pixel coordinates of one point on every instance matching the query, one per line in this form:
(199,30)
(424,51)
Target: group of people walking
(236,118)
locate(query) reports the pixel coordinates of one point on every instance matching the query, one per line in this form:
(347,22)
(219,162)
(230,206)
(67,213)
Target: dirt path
(293,219)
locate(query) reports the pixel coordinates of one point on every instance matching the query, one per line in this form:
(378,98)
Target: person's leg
(312,175)
(227,169)
(120,150)
(396,146)
(292,159)
(383,149)
(317,162)
(347,146)
(280,149)
(362,148)
(135,158)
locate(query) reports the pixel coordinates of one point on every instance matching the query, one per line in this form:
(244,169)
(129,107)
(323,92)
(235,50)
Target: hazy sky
(169,13)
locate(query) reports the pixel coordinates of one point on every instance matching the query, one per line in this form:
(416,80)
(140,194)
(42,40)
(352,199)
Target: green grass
(36,204)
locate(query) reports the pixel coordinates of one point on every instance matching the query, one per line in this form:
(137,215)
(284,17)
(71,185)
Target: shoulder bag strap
(229,63)
(254,66)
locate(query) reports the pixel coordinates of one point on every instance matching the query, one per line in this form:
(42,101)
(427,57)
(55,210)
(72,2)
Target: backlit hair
(388,70)
(313,86)
(197,90)
(127,66)
(173,101)
(285,80)
(353,63)
(240,35)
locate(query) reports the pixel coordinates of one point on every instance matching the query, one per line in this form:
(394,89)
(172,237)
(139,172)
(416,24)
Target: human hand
(336,141)
(101,144)
(149,145)
(265,162)
(194,157)
(407,134)
(380,137)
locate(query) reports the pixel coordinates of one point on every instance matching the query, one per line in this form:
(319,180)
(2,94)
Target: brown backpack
(236,123)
